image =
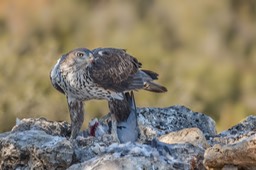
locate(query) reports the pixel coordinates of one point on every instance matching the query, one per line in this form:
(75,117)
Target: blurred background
(204,51)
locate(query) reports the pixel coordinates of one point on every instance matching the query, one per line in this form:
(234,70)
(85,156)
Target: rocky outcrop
(193,136)
(32,144)
(235,147)
(170,138)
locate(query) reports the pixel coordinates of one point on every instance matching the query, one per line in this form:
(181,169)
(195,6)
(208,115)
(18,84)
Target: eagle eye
(79,54)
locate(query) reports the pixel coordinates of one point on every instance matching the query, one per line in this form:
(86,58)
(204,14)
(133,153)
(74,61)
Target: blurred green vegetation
(204,51)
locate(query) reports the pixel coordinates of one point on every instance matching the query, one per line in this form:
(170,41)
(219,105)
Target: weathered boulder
(35,149)
(124,156)
(246,128)
(154,122)
(189,135)
(49,127)
(141,156)
(236,147)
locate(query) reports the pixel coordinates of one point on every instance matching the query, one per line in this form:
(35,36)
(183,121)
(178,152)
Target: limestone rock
(241,154)
(86,148)
(189,135)
(182,153)
(49,127)
(241,131)
(141,156)
(34,149)
(236,147)
(154,122)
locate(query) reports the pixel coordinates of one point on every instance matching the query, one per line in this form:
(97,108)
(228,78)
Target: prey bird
(124,118)
(124,126)
(102,73)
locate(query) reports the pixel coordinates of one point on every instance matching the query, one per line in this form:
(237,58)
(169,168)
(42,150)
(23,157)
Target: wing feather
(116,70)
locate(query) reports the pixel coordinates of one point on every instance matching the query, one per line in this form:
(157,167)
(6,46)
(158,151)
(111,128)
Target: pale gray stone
(189,135)
(140,156)
(49,127)
(235,147)
(154,122)
(34,149)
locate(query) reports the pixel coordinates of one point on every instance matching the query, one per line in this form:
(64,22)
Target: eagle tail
(154,87)
(151,74)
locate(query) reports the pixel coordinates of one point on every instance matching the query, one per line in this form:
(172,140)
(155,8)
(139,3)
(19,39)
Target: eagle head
(76,59)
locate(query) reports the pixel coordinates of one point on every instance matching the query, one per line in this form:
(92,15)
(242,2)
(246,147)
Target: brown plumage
(116,70)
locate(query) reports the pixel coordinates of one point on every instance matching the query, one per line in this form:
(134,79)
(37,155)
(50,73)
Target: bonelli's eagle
(102,73)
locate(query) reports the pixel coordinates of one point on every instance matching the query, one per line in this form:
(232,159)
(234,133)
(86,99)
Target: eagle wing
(116,70)
(53,77)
